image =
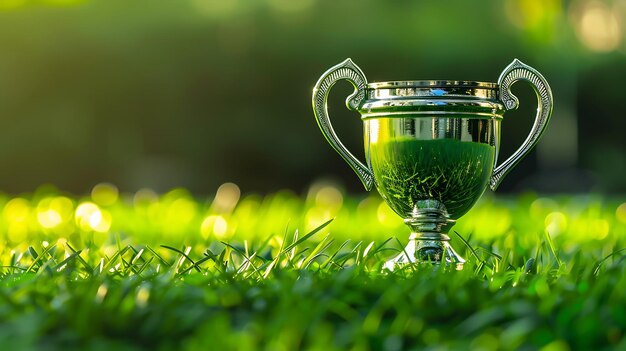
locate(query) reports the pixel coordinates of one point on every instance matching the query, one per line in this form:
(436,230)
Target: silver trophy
(431,146)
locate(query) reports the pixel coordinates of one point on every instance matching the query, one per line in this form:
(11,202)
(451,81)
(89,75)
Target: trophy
(431,146)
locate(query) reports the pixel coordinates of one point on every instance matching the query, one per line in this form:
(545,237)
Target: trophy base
(423,249)
(429,242)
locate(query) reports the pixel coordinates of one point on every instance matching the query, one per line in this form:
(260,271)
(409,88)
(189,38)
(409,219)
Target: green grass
(453,172)
(140,271)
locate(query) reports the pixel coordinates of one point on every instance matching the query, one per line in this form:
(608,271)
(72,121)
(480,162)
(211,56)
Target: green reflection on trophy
(431,146)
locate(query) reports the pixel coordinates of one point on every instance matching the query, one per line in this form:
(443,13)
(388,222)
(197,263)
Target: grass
(143,271)
(452,172)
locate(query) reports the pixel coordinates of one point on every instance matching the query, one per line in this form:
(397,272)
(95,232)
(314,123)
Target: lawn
(289,271)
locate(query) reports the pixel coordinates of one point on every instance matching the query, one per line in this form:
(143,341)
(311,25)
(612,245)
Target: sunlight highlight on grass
(104,194)
(556,222)
(214,225)
(49,218)
(90,217)
(17,210)
(198,272)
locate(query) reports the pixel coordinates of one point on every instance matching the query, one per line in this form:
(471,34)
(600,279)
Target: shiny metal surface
(431,146)
(518,71)
(440,98)
(432,83)
(434,93)
(449,159)
(346,70)
(458,127)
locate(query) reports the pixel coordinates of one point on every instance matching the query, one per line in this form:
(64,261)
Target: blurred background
(196,93)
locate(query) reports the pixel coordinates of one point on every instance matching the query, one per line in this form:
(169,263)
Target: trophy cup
(431,146)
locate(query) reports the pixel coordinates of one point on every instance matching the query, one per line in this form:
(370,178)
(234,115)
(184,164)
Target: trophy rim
(432,84)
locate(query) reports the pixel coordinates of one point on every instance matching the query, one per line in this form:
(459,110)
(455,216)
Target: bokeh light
(90,217)
(329,197)
(16,213)
(104,194)
(620,213)
(49,218)
(226,198)
(176,218)
(54,211)
(214,225)
(555,222)
(17,210)
(145,197)
(531,13)
(385,215)
(597,25)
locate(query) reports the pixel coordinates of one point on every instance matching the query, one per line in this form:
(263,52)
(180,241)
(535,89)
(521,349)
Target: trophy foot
(429,242)
(426,251)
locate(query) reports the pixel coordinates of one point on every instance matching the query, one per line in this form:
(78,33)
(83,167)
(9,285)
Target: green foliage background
(196,93)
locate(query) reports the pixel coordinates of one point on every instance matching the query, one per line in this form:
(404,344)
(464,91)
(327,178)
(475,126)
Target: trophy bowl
(431,147)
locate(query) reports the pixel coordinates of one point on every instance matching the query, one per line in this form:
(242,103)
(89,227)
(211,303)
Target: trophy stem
(429,240)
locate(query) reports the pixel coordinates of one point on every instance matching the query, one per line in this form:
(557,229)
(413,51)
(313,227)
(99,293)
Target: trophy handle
(352,73)
(514,72)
